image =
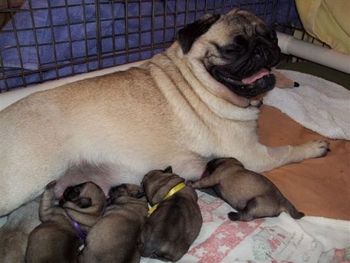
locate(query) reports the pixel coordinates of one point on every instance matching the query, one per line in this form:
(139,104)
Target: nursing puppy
(114,237)
(174,225)
(195,99)
(250,193)
(63,229)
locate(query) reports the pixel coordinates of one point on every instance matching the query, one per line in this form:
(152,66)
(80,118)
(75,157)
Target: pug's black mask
(249,62)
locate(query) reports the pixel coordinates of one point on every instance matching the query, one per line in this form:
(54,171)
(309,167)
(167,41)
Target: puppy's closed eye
(84,202)
(71,193)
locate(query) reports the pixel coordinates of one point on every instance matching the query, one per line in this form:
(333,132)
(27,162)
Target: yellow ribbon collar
(171,192)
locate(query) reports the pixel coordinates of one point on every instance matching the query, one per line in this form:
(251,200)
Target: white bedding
(318,104)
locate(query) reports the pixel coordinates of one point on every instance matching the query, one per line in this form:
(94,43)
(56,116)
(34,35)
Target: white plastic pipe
(321,55)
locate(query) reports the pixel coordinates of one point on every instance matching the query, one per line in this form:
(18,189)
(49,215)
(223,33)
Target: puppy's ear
(161,191)
(169,169)
(187,35)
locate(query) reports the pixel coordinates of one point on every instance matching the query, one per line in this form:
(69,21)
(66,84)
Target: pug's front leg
(263,158)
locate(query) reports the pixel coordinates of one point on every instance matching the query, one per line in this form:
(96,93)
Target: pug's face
(83,195)
(237,49)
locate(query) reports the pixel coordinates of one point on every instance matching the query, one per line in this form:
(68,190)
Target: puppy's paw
(51,185)
(233,216)
(318,148)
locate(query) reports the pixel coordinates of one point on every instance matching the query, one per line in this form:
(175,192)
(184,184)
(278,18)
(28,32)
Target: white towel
(318,104)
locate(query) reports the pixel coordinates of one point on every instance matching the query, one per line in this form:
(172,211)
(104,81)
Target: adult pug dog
(181,108)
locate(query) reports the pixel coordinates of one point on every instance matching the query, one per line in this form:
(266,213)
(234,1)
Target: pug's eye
(232,50)
(240,40)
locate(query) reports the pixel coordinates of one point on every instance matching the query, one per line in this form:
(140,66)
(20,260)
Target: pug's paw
(234,216)
(318,148)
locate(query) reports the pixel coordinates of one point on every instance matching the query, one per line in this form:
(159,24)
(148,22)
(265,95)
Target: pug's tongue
(258,75)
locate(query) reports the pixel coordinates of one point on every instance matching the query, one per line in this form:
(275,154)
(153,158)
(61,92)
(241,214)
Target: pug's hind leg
(257,207)
(206,182)
(291,210)
(268,158)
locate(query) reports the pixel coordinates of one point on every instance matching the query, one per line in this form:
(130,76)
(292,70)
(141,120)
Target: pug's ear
(169,169)
(187,35)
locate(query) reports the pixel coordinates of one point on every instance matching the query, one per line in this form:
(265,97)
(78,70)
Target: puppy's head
(157,184)
(131,190)
(237,49)
(84,195)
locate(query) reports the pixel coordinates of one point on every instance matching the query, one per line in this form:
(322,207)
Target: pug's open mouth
(256,76)
(250,86)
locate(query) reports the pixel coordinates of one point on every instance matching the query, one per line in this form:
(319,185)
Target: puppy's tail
(290,209)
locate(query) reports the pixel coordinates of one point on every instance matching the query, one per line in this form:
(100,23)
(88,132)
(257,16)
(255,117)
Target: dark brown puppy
(250,193)
(114,237)
(174,225)
(63,228)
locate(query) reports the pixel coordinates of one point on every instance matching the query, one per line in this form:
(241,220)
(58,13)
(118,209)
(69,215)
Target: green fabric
(338,77)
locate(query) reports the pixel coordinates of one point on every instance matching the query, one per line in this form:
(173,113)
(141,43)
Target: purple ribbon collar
(81,233)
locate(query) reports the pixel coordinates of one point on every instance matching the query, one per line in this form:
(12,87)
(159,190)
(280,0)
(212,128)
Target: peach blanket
(319,187)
